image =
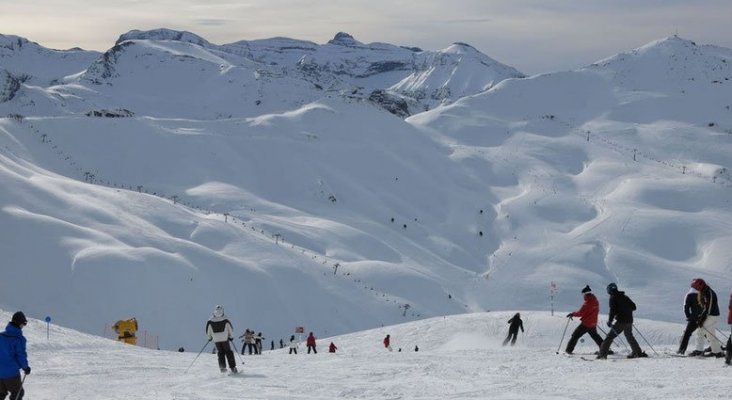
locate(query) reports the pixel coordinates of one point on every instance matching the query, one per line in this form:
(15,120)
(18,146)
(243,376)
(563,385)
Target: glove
(26,370)
(609,324)
(700,322)
(570,315)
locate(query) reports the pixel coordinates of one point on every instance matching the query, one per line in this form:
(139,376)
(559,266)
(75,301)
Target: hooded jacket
(621,307)
(219,329)
(589,310)
(13,356)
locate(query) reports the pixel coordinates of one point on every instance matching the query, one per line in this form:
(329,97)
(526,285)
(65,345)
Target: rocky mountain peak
(344,39)
(163,34)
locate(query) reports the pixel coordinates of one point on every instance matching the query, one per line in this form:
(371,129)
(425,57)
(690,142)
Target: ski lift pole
(198,355)
(644,339)
(563,333)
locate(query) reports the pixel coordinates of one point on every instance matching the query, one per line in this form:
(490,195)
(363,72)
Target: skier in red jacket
(588,320)
(387,342)
(311,343)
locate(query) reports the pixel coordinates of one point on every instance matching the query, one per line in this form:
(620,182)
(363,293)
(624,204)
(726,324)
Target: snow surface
(460,357)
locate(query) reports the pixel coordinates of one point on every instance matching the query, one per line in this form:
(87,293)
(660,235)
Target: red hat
(698,283)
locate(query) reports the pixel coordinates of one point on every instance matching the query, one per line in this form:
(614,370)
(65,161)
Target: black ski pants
(313,347)
(512,336)
(691,326)
(579,332)
(11,385)
(620,327)
(223,350)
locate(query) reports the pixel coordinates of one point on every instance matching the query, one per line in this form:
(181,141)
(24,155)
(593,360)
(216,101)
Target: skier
(258,343)
(332,348)
(708,319)
(728,359)
(311,343)
(218,329)
(621,309)
(516,324)
(588,320)
(245,340)
(13,357)
(293,345)
(692,309)
(387,342)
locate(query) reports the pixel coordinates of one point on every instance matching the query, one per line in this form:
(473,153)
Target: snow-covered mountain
(168,73)
(152,184)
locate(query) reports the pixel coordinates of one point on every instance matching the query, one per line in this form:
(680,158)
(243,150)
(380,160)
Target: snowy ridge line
(94,179)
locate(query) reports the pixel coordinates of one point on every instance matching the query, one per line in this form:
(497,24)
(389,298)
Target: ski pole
(563,333)
(198,355)
(713,335)
(644,339)
(616,337)
(20,389)
(237,351)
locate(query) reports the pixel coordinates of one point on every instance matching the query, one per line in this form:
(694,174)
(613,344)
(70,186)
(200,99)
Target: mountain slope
(338,216)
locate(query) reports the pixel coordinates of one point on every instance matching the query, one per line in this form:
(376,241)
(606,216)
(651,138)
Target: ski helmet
(698,283)
(218,311)
(612,288)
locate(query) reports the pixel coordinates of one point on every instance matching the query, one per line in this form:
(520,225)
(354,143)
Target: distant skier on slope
(513,329)
(708,319)
(13,357)
(310,342)
(692,310)
(293,345)
(621,309)
(387,342)
(218,329)
(332,348)
(588,320)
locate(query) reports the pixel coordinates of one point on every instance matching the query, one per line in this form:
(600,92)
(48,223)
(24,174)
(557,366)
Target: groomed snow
(460,357)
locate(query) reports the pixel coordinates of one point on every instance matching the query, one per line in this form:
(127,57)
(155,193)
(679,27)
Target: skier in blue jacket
(13,357)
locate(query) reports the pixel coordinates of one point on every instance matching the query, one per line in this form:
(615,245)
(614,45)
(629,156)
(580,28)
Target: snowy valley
(348,186)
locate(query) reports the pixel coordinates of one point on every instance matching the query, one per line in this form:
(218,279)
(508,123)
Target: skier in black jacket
(621,309)
(516,324)
(708,319)
(692,309)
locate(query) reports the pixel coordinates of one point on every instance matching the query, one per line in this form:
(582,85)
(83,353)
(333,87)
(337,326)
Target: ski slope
(460,357)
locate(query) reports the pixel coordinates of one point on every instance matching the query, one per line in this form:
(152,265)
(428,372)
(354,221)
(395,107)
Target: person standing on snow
(13,357)
(513,329)
(708,319)
(692,310)
(387,342)
(293,345)
(311,343)
(621,309)
(728,359)
(588,320)
(218,329)
(258,342)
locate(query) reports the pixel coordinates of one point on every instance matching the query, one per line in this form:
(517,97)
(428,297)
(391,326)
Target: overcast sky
(532,35)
